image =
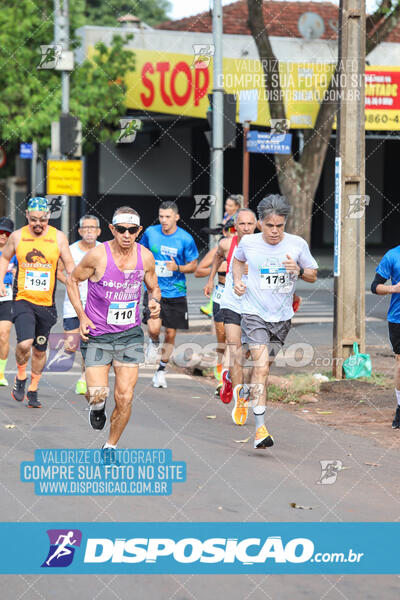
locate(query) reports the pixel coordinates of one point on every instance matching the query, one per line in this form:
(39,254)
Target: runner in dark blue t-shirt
(389,268)
(175,254)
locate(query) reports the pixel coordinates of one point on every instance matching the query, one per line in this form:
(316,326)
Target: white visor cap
(126,218)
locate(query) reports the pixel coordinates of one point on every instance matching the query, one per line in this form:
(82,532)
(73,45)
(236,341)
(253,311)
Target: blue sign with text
(269,143)
(26,151)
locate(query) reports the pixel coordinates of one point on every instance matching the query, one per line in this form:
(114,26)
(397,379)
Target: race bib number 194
(37,281)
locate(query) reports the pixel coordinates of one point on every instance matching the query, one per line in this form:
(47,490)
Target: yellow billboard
(176,84)
(64,177)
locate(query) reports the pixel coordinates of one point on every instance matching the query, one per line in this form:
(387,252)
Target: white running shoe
(151,354)
(3,380)
(159,380)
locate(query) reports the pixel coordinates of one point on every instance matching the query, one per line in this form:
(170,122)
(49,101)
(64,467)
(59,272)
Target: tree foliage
(101,12)
(31,97)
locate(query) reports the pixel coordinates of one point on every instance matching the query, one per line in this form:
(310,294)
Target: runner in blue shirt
(389,268)
(175,254)
(6,229)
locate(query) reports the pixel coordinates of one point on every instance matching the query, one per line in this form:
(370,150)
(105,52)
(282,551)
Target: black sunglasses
(122,229)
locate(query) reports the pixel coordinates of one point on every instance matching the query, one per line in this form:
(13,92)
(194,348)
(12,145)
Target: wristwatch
(301,272)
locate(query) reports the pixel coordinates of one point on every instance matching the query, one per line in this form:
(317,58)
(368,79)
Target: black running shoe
(33,401)
(18,391)
(396,420)
(97,418)
(109,456)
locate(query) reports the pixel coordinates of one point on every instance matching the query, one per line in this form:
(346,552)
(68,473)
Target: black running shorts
(216,310)
(174,312)
(5,310)
(228,317)
(394,335)
(33,322)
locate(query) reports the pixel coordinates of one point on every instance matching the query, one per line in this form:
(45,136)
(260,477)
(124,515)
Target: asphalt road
(226,481)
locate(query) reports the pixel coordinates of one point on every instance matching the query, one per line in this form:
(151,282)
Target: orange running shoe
(240,410)
(263,439)
(226,390)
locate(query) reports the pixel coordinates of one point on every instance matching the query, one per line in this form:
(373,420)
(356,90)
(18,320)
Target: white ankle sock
(97,406)
(397,396)
(107,445)
(259,415)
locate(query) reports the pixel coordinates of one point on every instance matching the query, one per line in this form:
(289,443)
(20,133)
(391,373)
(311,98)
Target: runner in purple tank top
(110,324)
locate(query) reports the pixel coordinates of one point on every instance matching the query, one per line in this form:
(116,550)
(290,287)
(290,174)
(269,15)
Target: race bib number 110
(121,313)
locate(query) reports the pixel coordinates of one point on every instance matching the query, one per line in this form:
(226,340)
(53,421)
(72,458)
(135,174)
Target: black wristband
(179,270)
(301,272)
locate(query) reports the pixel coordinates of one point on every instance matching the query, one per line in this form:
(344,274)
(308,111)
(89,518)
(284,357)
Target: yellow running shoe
(207,309)
(240,409)
(80,387)
(263,439)
(3,380)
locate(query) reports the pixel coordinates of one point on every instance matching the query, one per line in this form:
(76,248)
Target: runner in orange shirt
(37,246)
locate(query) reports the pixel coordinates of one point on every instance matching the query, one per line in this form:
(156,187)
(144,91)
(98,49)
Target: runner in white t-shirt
(275,261)
(89,230)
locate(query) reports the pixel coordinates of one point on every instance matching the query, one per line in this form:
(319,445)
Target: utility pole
(349,255)
(33,168)
(217,136)
(61,37)
(246,166)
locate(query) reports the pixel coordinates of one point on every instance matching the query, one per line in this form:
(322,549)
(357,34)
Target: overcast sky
(186,8)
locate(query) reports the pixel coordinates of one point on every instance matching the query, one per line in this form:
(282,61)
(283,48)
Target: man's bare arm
(190,267)
(65,254)
(60,272)
(238,270)
(219,258)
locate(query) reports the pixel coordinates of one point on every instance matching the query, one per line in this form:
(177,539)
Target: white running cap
(126,218)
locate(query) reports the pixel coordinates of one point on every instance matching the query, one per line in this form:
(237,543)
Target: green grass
(299,386)
(305,384)
(379,379)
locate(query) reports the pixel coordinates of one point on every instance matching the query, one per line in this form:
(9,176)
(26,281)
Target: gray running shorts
(121,349)
(257,332)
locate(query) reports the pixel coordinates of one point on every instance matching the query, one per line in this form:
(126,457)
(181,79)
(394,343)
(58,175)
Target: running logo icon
(357,206)
(63,543)
(329,471)
(204,202)
(62,348)
(51,54)
(202,55)
(279,129)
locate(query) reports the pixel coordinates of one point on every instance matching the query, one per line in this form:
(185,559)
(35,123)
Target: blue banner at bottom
(199,548)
